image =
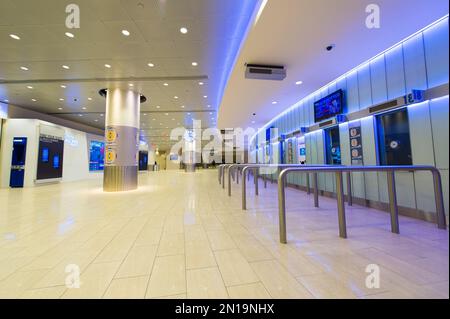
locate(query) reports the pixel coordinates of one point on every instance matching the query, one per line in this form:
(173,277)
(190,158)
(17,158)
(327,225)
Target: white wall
(76,151)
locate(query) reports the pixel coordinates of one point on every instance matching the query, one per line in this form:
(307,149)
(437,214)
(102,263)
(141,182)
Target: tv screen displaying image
(96,156)
(56,161)
(329,106)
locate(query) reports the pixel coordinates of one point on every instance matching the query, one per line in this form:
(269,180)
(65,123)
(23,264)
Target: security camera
(254,114)
(330,47)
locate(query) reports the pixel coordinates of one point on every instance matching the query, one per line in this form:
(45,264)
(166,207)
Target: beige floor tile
(19,282)
(278,282)
(234,268)
(171,244)
(168,277)
(220,240)
(127,288)
(325,286)
(199,255)
(44,293)
(249,291)
(94,281)
(205,283)
(139,262)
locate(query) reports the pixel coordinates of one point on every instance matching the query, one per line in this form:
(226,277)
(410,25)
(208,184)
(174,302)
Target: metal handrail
(393,208)
(315,183)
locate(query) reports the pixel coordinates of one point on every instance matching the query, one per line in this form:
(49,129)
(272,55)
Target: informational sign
(290,153)
(121,146)
(356,150)
(110,155)
(301,150)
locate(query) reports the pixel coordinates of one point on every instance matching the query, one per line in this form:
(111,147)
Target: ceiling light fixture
(126,32)
(34,100)
(151,65)
(183,30)
(274,102)
(66,67)
(299,83)
(29,87)
(158,106)
(205,96)
(200,83)
(69,35)
(61,99)
(63,86)
(15,37)
(107,66)
(24,68)
(166,84)
(131,85)
(182,106)
(60,108)
(175,97)
(194,63)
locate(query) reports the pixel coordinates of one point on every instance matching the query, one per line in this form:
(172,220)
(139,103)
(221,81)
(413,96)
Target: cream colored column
(121,140)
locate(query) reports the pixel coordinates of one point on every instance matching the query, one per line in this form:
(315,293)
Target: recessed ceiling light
(253,122)
(158,106)
(66,67)
(145,114)
(24,68)
(194,63)
(15,37)
(189,113)
(274,102)
(205,96)
(200,83)
(6,101)
(151,65)
(183,30)
(166,113)
(175,97)
(29,87)
(166,84)
(126,32)
(131,85)
(182,106)
(80,114)
(63,86)
(70,35)
(153,119)
(102,114)
(209,105)
(299,82)
(84,107)
(34,100)
(95,120)
(60,108)
(61,99)
(89,98)
(107,66)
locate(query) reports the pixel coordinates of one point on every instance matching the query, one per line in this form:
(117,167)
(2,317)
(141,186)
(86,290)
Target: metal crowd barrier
(393,208)
(256,167)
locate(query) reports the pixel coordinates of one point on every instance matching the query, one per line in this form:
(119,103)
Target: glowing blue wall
(420,62)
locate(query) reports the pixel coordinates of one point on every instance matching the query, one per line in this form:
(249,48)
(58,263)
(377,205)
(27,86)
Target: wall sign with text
(356,150)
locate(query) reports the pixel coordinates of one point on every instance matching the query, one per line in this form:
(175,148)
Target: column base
(120,178)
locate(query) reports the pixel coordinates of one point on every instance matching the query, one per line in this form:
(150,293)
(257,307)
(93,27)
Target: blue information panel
(329,106)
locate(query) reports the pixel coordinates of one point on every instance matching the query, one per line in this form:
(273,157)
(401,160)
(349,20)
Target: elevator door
(394,143)
(332,146)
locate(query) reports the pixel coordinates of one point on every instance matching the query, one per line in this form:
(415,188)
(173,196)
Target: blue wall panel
(395,73)
(415,70)
(436,53)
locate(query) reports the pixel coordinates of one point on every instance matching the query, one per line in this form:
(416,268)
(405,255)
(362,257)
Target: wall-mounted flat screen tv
(329,106)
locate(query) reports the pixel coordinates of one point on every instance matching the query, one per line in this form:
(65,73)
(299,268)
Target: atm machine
(143,160)
(18,162)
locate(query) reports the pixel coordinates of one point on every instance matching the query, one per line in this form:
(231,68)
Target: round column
(121,140)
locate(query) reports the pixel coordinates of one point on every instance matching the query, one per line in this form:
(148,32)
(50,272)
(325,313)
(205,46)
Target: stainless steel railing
(393,208)
(255,168)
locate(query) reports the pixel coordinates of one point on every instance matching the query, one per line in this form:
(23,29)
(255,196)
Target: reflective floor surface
(180,236)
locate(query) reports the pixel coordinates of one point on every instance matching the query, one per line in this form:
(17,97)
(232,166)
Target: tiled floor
(180,236)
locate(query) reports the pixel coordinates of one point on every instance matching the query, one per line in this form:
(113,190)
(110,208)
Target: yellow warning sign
(111,135)
(110,156)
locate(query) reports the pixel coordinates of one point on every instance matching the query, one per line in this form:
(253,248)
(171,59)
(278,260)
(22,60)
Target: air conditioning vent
(265,72)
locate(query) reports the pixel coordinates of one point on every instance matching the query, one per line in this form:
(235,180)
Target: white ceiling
(294,33)
(215,32)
